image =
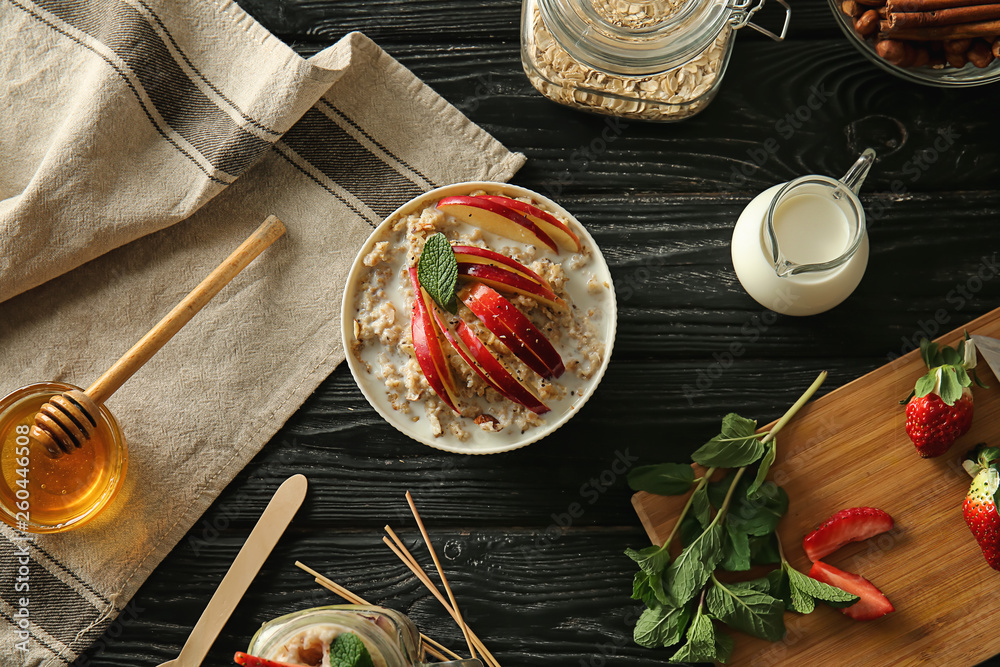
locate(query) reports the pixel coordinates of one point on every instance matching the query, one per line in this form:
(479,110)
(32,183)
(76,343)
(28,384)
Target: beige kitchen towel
(142,141)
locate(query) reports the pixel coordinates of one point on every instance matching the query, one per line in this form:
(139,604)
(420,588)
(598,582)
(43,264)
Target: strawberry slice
(248,660)
(873,604)
(851,525)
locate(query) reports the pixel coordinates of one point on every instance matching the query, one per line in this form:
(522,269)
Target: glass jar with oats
(659,60)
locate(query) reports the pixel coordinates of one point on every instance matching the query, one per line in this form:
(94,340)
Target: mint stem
(729,495)
(803,399)
(701,482)
(785,418)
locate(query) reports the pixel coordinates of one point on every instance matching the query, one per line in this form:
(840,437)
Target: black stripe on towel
(114,65)
(182,105)
(350,121)
(345,161)
(53,604)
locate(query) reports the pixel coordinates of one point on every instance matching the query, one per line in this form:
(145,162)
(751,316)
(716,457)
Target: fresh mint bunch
(724,525)
(437,271)
(349,651)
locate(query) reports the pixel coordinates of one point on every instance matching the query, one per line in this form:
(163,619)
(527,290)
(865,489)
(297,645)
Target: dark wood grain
(660,199)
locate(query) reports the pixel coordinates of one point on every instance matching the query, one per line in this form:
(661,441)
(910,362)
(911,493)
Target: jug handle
(855,176)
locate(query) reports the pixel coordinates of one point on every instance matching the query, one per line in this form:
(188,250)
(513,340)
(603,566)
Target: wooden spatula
(265,534)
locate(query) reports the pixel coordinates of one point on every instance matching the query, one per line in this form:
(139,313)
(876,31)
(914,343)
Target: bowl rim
(347,320)
(923,75)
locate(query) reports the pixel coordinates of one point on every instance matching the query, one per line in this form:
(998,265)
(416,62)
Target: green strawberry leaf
(951,388)
(748,609)
(929,353)
(349,651)
(736,446)
(437,271)
(665,479)
(925,384)
(951,357)
(661,626)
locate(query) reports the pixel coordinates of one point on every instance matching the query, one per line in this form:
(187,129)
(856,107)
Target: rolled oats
(671,94)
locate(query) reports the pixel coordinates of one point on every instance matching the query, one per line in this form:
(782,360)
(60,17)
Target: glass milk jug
(800,248)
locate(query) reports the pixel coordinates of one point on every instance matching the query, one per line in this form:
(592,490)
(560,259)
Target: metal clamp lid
(743,12)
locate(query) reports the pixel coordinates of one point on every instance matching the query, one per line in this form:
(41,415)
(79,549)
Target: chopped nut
(488,422)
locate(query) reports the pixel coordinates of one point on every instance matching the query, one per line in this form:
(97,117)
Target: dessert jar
(304,637)
(41,494)
(658,60)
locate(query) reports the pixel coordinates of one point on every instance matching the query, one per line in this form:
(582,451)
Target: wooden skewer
(398,548)
(440,571)
(435,649)
(68,420)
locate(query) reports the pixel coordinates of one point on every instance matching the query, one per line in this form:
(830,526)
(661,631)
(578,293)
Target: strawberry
(873,604)
(248,660)
(933,425)
(940,408)
(980,508)
(850,525)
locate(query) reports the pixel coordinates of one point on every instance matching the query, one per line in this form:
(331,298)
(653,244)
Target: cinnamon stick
(940,17)
(933,33)
(927,34)
(933,5)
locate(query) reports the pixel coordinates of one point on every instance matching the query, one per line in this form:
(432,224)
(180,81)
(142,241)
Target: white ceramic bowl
(483,442)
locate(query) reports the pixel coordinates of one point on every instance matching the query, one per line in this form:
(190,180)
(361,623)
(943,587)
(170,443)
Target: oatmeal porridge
(556,285)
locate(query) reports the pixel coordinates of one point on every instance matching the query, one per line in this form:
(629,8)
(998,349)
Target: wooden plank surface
(660,201)
(849,449)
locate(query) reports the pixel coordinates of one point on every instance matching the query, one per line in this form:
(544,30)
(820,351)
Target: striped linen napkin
(143,140)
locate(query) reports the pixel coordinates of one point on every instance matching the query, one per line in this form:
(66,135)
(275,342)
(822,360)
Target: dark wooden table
(661,201)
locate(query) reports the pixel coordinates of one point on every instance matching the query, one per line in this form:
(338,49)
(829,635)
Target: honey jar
(41,494)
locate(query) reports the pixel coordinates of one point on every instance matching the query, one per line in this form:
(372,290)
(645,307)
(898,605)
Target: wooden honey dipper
(68,420)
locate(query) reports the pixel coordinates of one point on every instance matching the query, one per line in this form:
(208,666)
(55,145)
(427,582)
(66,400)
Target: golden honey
(41,494)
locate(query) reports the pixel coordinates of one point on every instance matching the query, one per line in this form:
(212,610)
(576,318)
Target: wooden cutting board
(849,449)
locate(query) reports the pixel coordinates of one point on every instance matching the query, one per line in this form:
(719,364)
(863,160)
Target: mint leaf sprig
(684,596)
(347,650)
(437,271)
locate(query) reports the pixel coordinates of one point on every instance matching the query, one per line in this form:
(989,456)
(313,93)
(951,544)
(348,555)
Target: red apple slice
(247,660)
(508,281)
(427,346)
(558,230)
(470,254)
(514,330)
(489,367)
(496,218)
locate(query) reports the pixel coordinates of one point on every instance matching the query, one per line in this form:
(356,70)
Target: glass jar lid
(640,38)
